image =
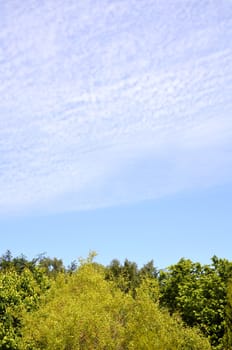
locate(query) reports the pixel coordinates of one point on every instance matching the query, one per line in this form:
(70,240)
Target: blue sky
(116,129)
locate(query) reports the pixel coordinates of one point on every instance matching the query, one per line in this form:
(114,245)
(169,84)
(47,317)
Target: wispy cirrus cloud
(108,102)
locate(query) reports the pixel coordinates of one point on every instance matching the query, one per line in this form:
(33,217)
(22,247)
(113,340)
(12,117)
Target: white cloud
(108,104)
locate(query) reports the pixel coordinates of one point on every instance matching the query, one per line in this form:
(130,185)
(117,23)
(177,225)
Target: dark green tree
(19,293)
(126,276)
(198,293)
(51,266)
(228,319)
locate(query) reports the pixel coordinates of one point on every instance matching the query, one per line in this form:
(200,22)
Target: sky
(116,129)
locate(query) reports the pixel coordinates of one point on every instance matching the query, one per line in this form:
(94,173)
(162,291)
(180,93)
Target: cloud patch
(102,105)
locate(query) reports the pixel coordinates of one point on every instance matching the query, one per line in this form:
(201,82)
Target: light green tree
(84,311)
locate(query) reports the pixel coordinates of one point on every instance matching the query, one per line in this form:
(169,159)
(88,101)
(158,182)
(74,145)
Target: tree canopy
(44,305)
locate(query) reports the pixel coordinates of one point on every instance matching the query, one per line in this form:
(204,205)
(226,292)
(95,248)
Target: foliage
(18,263)
(18,293)
(51,266)
(198,293)
(84,311)
(151,327)
(128,276)
(228,333)
(44,305)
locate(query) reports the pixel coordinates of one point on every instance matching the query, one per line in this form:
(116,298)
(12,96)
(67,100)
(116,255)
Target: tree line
(45,305)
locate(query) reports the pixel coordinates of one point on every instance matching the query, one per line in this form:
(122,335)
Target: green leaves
(81,311)
(43,305)
(19,293)
(128,276)
(198,293)
(228,327)
(84,311)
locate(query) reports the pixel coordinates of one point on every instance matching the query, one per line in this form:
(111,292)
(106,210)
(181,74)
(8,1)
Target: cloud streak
(108,102)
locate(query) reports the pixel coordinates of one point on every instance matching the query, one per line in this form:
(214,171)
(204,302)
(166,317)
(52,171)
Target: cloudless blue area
(195,225)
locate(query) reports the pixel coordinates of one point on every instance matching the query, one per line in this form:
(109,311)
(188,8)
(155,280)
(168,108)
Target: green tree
(84,311)
(81,311)
(125,276)
(19,293)
(18,263)
(151,327)
(6,261)
(128,276)
(148,270)
(198,293)
(52,266)
(228,324)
